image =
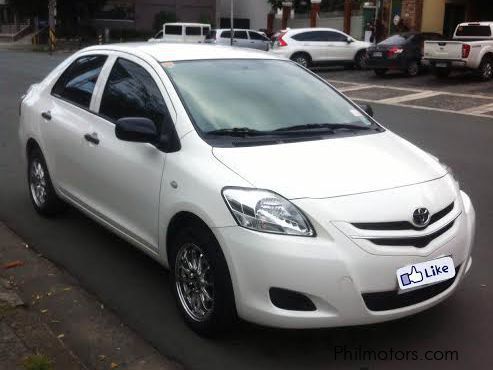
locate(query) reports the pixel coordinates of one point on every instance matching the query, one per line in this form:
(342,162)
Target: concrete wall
(254,10)
(433,15)
(185,10)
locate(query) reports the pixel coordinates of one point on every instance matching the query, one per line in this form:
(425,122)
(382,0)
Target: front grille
(391,300)
(403,225)
(415,241)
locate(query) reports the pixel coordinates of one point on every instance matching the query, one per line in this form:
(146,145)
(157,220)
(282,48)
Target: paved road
(137,289)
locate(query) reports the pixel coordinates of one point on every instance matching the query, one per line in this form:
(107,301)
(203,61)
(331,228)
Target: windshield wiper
(322,126)
(237,131)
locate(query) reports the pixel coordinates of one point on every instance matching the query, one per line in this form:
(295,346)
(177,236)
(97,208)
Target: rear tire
(303,59)
(41,191)
(485,71)
(380,72)
(200,281)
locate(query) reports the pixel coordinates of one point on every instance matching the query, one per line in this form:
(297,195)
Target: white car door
(258,41)
(65,119)
(125,177)
(241,39)
(338,47)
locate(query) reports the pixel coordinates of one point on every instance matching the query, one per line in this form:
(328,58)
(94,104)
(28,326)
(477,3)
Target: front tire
(302,59)
(201,281)
(41,190)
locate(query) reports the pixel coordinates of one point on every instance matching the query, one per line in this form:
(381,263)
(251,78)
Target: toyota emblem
(421,217)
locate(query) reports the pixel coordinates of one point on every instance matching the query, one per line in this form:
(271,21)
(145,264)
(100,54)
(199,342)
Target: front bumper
(332,271)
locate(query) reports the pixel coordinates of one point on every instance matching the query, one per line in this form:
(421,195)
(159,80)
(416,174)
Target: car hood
(332,167)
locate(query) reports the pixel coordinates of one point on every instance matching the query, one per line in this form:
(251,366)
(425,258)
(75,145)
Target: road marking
(355,88)
(415,96)
(477,111)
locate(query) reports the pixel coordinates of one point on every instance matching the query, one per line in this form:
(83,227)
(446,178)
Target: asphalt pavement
(137,288)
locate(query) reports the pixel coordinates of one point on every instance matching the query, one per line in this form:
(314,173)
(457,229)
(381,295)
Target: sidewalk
(45,316)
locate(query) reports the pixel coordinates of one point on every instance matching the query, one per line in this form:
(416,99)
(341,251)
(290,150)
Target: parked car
(289,207)
(402,52)
(241,38)
(310,46)
(182,33)
(470,49)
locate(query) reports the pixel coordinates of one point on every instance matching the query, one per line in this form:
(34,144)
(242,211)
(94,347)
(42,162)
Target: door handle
(92,138)
(46,115)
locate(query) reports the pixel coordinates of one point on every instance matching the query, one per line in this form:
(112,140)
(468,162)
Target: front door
(126,177)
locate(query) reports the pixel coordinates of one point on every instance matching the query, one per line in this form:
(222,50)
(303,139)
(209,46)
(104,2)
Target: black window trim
(52,86)
(109,59)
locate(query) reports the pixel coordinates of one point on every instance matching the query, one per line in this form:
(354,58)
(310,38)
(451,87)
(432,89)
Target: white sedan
(265,203)
(311,46)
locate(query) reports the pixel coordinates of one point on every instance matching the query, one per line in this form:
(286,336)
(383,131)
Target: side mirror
(136,129)
(367,108)
(349,40)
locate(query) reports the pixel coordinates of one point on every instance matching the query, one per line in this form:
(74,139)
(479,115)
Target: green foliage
(37,362)
(161,18)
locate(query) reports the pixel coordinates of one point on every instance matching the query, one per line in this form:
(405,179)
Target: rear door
(193,34)
(65,120)
(313,42)
(128,175)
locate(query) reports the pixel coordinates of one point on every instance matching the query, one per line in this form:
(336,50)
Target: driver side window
(132,92)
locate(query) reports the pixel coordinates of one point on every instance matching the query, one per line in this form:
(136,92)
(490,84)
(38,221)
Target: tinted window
(172,30)
(132,92)
(77,83)
(226,35)
(320,36)
(241,35)
(206,30)
(193,31)
(335,36)
(257,36)
(473,30)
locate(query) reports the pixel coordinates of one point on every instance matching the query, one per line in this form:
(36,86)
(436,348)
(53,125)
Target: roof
(170,52)
(188,24)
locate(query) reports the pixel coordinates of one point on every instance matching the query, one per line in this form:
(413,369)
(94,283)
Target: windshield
(262,95)
(397,39)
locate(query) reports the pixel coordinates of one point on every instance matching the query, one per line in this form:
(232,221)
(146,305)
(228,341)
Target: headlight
(265,211)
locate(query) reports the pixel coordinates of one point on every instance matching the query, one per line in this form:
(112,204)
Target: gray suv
(241,38)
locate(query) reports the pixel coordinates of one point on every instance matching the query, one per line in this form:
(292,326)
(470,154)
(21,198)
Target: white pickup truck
(470,49)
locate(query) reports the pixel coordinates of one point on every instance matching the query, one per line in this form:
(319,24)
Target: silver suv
(241,38)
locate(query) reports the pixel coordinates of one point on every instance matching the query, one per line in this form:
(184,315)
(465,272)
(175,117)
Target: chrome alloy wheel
(487,71)
(37,183)
(194,282)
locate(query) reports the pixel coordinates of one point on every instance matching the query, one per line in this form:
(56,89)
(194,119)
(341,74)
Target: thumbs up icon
(414,276)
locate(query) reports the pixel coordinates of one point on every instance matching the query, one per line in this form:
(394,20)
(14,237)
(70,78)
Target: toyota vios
(268,194)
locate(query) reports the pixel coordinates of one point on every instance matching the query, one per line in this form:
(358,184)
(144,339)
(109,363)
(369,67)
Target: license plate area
(377,54)
(441,65)
(425,273)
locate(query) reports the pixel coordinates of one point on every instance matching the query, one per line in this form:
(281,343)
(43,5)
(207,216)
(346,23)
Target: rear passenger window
(77,83)
(305,36)
(131,92)
(193,31)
